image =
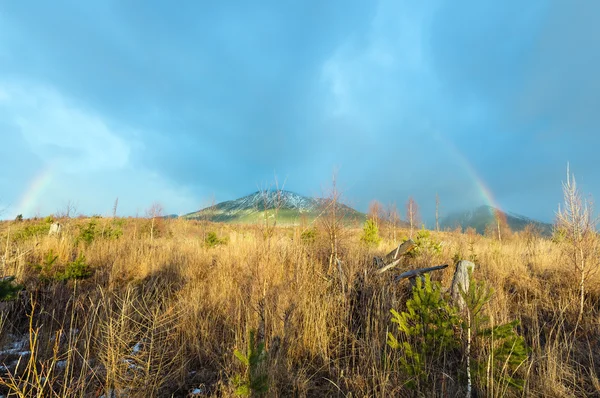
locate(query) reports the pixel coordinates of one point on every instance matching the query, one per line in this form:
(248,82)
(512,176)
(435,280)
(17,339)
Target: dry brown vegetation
(162,312)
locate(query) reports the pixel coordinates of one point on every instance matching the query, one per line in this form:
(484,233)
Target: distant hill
(483,216)
(293,209)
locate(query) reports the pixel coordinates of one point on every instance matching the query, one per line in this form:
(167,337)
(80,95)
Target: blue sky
(192,102)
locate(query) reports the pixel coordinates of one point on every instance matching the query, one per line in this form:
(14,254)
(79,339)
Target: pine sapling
(426,330)
(8,289)
(507,350)
(254,381)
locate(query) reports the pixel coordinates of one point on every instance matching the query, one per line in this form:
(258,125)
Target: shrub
(500,351)
(9,290)
(424,244)
(426,330)
(113,231)
(427,338)
(37,229)
(508,352)
(212,240)
(559,235)
(50,270)
(46,269)
(308,236)
(254,381)
(87,233)
(77,269)
(370,234)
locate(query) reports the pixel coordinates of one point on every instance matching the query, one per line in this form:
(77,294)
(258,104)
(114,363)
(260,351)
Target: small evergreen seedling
(425,244)
(426,330)
(87,234)
(77,269)
(507,350)
(49,270)
(212,240)
(309,236)
(31,230)
(370,234)
(46,268)
(9,290)
(254,381)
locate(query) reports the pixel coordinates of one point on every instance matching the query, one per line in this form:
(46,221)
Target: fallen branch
(416,272)
(389,266)
(401,250)
(393,258)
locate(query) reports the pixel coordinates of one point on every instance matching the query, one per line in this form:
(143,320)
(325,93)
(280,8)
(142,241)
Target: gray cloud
(216,100)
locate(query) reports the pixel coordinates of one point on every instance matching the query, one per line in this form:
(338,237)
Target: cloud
(59,131)
(224,96)
(84,157)
(215,99)
(95,193)
(385,110)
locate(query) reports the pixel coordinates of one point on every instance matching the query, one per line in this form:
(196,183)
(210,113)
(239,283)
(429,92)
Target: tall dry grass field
(108,311)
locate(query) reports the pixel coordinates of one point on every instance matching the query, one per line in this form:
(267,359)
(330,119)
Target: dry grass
(162,316)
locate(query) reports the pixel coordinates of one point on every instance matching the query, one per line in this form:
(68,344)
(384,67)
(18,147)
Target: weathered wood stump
(460,282)
(55,229)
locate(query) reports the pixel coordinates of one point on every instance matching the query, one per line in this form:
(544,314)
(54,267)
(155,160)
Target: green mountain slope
(483,216)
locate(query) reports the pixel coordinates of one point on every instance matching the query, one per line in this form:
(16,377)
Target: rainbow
(29,199)
(483,189)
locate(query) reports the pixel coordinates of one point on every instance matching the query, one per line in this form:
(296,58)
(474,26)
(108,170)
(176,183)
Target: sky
(191,103)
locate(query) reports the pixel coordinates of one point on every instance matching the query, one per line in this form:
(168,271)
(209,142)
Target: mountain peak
(251,208)
(271,199)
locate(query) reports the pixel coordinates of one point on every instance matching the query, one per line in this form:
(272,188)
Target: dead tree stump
(460,282)
(55,229)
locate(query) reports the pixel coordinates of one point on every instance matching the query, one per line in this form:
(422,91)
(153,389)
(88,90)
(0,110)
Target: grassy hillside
(109,308)
(287,217)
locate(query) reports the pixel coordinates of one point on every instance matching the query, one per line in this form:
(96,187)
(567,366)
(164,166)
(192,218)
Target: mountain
(483,216)
(293,209)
